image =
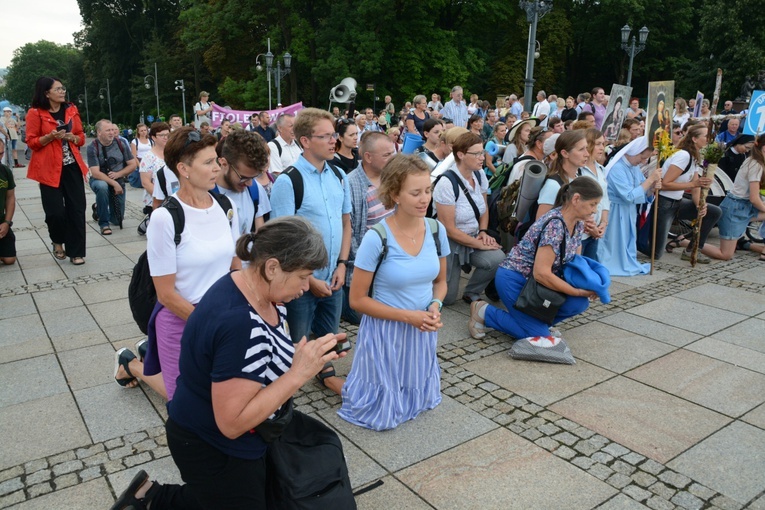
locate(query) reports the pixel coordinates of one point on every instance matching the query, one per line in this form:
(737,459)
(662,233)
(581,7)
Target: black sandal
(127,499)
(325,374)
(675,243)
(122,358)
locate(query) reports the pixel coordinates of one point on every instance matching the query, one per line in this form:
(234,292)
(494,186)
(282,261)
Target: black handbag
(272,428)
(535,299)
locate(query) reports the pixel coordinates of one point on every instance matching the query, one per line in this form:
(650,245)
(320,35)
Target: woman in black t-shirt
(346,147)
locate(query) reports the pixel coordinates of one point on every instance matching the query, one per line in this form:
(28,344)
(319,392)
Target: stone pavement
(664,408)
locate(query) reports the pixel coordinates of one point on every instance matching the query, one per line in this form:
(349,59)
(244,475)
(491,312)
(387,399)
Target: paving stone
(535,422)
(67,467)
(583,462)
(674,479)
(616,450)
(651,466)
(488,386)
(12,499)
(687,500)
(600,471)
(622,467)
(40,489)
(38,477)
(657,503)
(548,429)
(145,446)
(65,481)
(9,486)
(662,490)
(531,434)
(113,466)
(602,457)
(114,443)
(61,457)
(633,458)
(11,473)
(619,480)
(644,479)
(90,473)
(134,460)
(726,503)
(34,466)
(637,493)
(583,432)
(96,459)
(565,452)
(586,447)
(84,453)
(566,438)
(135,437)
(700,491)
(546,443)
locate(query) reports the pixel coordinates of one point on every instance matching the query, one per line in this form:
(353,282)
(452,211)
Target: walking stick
(655,219)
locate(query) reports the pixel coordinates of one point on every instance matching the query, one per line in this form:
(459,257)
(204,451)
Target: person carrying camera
(110,162)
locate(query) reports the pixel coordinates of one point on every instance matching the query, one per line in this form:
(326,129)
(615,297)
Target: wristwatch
(343,262)
(9,222)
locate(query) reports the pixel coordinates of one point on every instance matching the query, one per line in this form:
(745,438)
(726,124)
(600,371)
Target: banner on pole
(755,117)
(618,103)
(661,97)
(243,116)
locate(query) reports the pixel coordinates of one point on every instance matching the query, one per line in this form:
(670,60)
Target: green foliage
(42,58)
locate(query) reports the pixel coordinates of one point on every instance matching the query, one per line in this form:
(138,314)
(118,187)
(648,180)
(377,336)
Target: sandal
(476,325)
(77,261)
(127,499)
(59,252)
(762,258)
(674,243)
(122,358)
(743,244)
(141,347)
(326,374)
(106,231)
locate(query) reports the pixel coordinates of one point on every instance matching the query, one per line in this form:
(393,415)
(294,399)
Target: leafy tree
(43,58)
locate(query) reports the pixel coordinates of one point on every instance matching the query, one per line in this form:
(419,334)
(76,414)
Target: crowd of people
(292,227)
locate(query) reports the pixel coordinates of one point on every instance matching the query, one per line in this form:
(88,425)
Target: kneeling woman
(395,373)
(238,367)
(538,253)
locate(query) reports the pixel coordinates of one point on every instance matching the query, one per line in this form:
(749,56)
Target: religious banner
(243,116)
(618,103)
(697,107)
(661,97)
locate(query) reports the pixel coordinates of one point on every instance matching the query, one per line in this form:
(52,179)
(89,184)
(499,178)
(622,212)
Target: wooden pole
(655,218)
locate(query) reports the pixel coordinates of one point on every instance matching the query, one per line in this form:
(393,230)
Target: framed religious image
(616,111)
(661,97)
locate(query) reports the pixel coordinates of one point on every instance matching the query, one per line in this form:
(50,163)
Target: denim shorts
(736,215)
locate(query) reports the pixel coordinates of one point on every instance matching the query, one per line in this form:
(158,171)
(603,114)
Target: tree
(43,58)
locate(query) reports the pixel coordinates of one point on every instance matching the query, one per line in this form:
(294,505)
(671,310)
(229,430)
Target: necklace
(398,227)
(252,291)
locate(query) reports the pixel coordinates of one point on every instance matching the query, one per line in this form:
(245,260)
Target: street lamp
(87,112)
(156,86)
(108,97)
(632,49)
(535,9)
(278,73)
(179,86)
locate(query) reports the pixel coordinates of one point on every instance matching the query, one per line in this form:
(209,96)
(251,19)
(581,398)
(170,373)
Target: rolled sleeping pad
(494,149)
(532,180)
(411,143)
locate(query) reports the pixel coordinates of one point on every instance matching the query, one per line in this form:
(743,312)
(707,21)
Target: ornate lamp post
(180,86)
(632,49)
(278,73)
(535,9)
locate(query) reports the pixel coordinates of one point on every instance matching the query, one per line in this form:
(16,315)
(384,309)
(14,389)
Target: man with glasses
(456,109)
(367,210)
(284,149)
(110,162)
(243,156)
(315,190)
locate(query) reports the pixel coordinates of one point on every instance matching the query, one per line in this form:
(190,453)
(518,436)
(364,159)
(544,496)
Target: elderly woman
(465,216)
(539,253)
(416,119)
(238,367)
(182,272)
(55,135)
(627,188)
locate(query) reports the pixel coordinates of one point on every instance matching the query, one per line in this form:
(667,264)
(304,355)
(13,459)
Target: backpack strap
(434,230)
(688,166)
(457,182)
(175,209)
(379,229)
(562,248)
(162,180)
(225,204)
(297,185)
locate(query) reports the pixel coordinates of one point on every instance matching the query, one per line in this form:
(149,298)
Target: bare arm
(446,215)
(543,263)
(169,297)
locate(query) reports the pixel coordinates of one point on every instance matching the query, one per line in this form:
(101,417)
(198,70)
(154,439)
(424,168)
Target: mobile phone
(341,347)
(61,127)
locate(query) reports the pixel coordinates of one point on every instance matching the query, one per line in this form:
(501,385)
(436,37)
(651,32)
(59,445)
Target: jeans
(682,209)
(103,202)
(349,314)
(309,313)
(590,248)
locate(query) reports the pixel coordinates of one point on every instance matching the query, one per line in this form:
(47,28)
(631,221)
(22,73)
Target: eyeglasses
(678,132)
(162,135)
(59,89)
(477,154)
(242,180)
(323,138)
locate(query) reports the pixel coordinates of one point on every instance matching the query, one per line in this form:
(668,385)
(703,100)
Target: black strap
(175,209)
(562,248)
(297,182)
(162,181)
(456,181)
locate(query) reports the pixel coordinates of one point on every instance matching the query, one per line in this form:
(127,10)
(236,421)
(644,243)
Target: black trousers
(214,480)
(65,210)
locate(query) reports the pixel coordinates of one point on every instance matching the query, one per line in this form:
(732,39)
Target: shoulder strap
(162,181)
(338,172)
(379,229)
(179,218)
(278,146)
(297,185)
(434,230)
(457,182)
(688,166)
(225,204)
(562,249)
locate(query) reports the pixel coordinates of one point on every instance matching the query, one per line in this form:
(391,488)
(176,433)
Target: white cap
(7,109)
(549,146)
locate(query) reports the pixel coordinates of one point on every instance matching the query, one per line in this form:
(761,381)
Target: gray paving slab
(749,333)
(94,265)
(162,470)
(88,366)
(643,279)
(613,348)
(495,470)
(696,317)
(72,329)
(650,422)
(739,356)
(730,461)
(107,290)
(16,306)
(432,432)
(133,249)
(31,262)
(690,375)
(30,379)
(112,313)
(454,329)
(23,337)
(111,411)
(733,300)
(621,502)
(86,496)
(391,494)
(39,428)
(56,299)
(44,274)
(542,383)
(11,277)
(754,275)
(756,417)
(618,287)
(651,329)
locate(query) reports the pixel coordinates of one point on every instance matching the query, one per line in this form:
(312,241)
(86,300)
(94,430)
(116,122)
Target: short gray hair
(419,98)
(456,88)
(280,119)
(542,93)
(102,124)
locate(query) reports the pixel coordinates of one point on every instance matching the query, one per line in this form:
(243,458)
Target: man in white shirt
(284,149)
(541,109)
(456,109)
(243,157)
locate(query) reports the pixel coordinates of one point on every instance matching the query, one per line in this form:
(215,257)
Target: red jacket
(48,161)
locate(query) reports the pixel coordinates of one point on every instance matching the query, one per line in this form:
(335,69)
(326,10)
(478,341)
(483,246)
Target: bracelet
(435,300)
(485,231)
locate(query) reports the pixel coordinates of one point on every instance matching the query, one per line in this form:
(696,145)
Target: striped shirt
(457,112)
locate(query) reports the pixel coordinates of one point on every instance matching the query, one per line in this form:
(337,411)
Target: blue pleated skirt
(395,375)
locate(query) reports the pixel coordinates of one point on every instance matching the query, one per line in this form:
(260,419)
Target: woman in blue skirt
(395,373)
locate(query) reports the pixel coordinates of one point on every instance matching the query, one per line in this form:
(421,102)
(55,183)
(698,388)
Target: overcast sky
(27,21)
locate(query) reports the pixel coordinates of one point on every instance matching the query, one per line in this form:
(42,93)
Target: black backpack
(142,296)
(297,182)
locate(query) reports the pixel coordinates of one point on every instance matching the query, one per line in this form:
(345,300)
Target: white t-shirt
(290,154)
(171,183)
(199,119)
(150,163)
(464,216)
(141,148)
(750,171)
(542,108)
(204,253)
(679,159)
(245,208)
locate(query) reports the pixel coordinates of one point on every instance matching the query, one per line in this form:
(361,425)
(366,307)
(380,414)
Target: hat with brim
(741,140)
(7,109)
(518,124)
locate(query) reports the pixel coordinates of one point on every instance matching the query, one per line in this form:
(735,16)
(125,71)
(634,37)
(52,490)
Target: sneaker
(143,226)
(700,257)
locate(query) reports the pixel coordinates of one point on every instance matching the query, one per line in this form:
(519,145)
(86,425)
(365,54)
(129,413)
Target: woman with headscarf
(627,187)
